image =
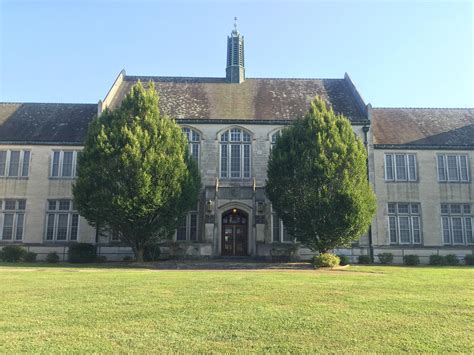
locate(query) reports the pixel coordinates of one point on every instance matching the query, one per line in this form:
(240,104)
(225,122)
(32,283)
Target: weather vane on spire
(235,23)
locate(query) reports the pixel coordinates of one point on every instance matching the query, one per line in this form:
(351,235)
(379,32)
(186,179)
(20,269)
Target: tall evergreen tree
(135,175)
(317,180)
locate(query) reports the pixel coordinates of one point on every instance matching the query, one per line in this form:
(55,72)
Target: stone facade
(410,153)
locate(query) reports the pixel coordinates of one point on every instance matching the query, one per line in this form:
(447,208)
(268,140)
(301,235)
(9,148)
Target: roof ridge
(223,78)
(44,103)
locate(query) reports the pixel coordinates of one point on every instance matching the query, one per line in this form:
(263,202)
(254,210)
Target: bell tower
(235,71)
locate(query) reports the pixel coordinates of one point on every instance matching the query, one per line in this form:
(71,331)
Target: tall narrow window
(13,216)
(62,221)
(188,228)
(236,152)
(453,168)
(404,223)
(400,167)
(280,233)
(194,141)
(456,224)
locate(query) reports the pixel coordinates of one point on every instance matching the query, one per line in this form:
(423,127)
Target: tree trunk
(139,254)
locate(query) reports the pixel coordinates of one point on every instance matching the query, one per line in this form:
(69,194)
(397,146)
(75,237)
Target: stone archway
(234,233)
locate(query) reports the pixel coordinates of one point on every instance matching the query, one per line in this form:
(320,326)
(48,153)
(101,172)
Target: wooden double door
(234,233)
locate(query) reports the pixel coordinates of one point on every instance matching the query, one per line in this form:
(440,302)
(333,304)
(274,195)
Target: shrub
(30,257)
(101,259)
(364,259)
(411,260)
(127,258)
(385,258)
(151,252)
(52,258)
(82,253)
(326,260)
(344,260)
(451,259)
(437,260)
(469,259)
(13,253)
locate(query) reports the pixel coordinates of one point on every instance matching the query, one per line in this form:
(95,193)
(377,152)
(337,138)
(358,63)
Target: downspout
(369,232)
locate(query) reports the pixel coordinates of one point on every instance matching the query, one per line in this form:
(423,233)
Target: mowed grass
(361,309)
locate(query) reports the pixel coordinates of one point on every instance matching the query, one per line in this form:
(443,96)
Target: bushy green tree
(135,175)
(317,180)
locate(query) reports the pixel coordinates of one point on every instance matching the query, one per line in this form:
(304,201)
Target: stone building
(420,166)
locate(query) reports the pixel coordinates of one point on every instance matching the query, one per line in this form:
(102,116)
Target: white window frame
(411,217)
(242,144)
(56,212)
(282,229)
(191,135)
(408,168)
(61,166)
(188,228)
(449,216)
(15,212)
(6,173)
(446,178)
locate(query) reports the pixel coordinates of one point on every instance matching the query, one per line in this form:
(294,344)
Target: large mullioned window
(279,231)
(404,223)
(194,140)
(62,221)
(235,154)
(12,219)
(63,164)
(400,167)
(457,222)
(14,163)
(188,229)
(453,168)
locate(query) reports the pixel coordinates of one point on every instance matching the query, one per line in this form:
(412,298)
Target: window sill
(454,182)
(14,177)
(402,181)
(62,178)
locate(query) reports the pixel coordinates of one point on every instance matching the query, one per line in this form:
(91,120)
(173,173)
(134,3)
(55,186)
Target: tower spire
(235,71)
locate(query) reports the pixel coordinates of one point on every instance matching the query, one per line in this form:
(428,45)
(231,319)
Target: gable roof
(254,99)
(45,122)
(424,127)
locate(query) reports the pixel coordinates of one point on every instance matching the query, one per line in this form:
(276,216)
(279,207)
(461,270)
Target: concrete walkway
(225,264)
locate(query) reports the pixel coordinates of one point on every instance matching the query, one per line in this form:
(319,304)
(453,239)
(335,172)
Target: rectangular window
(14,163)
(235,161)
(26,164)
(195,151)
(276,228)
(12,217)
(67,164)
(456,222)
(62,221)
(453,168)
(400,167)
(404,223)
(389,167)
(63,164)
(188,229)
(279,231)
(3,162)
(224,160)
(246,161)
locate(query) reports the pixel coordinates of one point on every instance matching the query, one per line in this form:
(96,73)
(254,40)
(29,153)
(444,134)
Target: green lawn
(360,309)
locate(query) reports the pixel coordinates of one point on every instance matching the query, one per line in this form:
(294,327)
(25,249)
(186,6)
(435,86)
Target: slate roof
(424,127)
(254,99)
(45,122)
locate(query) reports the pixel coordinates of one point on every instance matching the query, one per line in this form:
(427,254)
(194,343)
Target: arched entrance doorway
(234,233)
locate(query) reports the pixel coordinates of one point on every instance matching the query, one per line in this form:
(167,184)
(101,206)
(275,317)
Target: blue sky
(398,53)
